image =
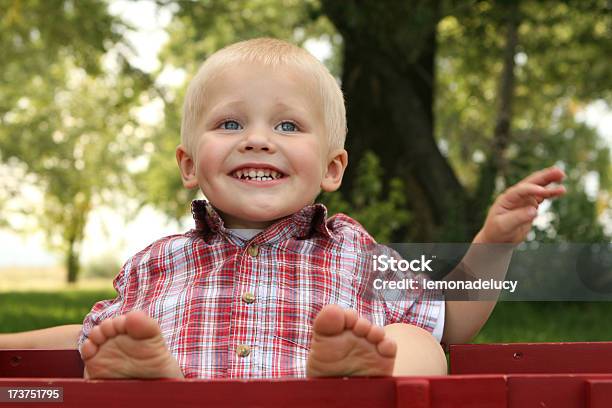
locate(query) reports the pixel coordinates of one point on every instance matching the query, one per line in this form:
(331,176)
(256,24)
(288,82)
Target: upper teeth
(257,174)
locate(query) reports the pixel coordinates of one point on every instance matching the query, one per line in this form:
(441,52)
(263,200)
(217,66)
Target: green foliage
(75,138)
(586,159)
(68,128)
(68,103)
(471,43)
(35,33)
(381,214)
(559,70)
(24,311)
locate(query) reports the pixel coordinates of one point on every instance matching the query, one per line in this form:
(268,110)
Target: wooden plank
(306,393)
(557,390)
(531,358)
(486,391)
(599,393)
(412,392)
(41,363)
(545,391)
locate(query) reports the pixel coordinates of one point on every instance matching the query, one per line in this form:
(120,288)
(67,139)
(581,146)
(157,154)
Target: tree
(390,72)
(66,123)
(457,99)
(557,70)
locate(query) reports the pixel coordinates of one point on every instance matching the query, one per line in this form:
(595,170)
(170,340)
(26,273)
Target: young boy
(266,285)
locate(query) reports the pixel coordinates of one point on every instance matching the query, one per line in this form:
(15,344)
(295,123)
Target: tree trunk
(496,162)
(72,261)
(388,81)
(74,233)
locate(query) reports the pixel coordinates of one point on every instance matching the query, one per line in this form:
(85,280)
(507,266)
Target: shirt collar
(302,224)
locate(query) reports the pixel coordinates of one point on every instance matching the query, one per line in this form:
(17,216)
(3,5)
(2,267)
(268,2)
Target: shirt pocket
(296,312)
(291,346)
(294,336)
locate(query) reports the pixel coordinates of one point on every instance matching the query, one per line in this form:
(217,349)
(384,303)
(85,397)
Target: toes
(108,328)
(140,326)
(362,327)
(387,348)
(96,335)
(88,349)
(119,324)
(376,334)
(350,318)
(330,321)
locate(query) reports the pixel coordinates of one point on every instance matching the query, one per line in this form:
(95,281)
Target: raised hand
(510,217)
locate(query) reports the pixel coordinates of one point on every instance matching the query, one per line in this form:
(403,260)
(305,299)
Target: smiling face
(262,150)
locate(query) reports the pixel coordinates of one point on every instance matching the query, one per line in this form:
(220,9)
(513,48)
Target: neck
(236,223)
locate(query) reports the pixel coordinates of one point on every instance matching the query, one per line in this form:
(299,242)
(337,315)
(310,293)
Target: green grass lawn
(547,321)
(20,311)
(510,322)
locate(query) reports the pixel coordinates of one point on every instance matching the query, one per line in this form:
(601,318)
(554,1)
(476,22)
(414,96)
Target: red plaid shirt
(230,308)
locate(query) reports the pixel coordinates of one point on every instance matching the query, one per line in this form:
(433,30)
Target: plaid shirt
(230,308)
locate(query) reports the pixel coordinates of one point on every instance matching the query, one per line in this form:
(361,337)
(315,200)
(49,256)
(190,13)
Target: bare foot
(128,346)
(345,345)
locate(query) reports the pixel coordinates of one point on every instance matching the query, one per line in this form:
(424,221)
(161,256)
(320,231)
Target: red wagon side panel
(366,393)
(41,363)
(514,358)
(599,393)
(570,380)
(468,392)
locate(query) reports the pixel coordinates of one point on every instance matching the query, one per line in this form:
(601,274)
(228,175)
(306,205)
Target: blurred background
(448,103)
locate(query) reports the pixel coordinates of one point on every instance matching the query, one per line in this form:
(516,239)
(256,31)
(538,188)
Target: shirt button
(248,297)
(253,250)
(243,350)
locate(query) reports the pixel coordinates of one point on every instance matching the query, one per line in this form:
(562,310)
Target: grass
(20,311)
(510,322)
(547,321)
(39,297)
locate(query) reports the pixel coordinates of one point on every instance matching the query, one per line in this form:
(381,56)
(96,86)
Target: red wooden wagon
(485,375)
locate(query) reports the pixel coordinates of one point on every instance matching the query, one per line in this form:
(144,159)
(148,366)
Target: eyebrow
(284,106)
(239,104)
(229,105)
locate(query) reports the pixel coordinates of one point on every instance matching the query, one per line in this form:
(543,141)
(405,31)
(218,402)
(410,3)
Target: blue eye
(287,127)
(230,125)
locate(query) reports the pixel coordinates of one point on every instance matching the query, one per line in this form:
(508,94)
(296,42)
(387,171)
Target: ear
(187,167)
(336,164)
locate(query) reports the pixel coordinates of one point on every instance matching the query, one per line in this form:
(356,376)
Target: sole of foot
(128,346)
(344,344)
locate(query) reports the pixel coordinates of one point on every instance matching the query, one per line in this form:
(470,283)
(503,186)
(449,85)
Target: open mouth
(257,174)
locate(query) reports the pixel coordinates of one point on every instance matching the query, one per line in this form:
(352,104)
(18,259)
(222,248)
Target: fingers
(545,176)
(528,194)
(516,219)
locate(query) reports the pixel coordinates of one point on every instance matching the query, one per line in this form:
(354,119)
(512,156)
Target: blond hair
(269,52)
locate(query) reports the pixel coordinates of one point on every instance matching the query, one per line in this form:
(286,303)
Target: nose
(256,140)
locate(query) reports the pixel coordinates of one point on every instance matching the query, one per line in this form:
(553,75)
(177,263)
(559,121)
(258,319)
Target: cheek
(308,163)
(210,158)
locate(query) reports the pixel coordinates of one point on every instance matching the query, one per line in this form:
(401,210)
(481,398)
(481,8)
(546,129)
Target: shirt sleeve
(105,309)
(421,307)
(438,330)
